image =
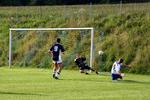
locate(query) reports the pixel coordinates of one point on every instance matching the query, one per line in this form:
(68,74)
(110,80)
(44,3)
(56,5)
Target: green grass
(37,84)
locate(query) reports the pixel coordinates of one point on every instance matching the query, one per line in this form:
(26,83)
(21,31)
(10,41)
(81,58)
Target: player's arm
(76,62)
(63,53)
(126,66)
(50,51)
(62,50)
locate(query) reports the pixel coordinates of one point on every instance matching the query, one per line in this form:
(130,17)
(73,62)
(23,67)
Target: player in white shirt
(115,71)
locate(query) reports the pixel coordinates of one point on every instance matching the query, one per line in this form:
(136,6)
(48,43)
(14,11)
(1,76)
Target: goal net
(29,46)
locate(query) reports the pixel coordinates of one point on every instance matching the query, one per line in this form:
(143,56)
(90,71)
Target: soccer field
(37,84)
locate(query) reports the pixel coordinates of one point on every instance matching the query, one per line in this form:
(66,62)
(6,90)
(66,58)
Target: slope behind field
(125,33)
(37,84)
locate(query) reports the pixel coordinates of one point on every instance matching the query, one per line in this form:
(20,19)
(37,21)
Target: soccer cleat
(56,78)
(53,75)
(57,75)
(96,72)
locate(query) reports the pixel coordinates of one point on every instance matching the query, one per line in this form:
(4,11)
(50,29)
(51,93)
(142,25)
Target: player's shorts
(116,76)
(58,61)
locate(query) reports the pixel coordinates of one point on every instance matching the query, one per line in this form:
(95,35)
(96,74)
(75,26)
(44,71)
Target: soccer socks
(56,75)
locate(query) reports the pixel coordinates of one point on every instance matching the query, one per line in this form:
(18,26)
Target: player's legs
(59,67)
(116,76)
(87,68)
(83,70)
(94,70)
(55,67)
(58,70)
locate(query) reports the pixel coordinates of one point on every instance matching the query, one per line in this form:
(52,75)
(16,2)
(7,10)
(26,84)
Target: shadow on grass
(109,81)
(14,93)
(134,81)
(82,80)
(87,80)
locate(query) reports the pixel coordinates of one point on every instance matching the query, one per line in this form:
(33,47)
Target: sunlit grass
(31,84)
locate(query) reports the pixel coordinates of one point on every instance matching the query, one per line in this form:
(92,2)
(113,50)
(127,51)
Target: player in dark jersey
(83,66)
(56,51)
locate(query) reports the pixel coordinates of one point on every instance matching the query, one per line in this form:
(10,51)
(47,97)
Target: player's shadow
(134,81)
(85,80)
(14,93)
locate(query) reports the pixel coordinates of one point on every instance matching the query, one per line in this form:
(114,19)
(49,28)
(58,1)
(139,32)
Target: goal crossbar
(50,29)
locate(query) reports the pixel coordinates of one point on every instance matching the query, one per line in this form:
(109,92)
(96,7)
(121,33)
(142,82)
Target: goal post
(50,29)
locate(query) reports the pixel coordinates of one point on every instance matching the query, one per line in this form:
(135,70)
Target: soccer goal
(11,32)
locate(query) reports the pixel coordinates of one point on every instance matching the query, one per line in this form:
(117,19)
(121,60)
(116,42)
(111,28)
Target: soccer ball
(100,52)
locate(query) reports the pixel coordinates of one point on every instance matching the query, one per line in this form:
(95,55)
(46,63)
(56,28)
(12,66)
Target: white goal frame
(50,29)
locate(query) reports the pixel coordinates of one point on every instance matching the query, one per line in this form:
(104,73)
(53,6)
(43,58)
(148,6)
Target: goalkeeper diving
(83,66)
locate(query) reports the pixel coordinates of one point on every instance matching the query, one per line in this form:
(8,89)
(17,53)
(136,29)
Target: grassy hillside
(31,84)
(126,33)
